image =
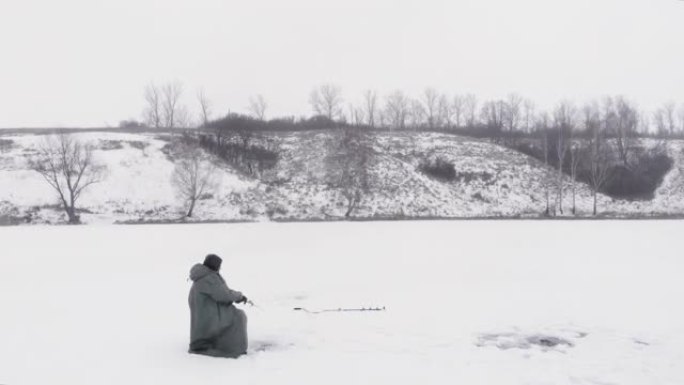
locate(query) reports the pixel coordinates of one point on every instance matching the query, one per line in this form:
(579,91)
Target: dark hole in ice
(548,341)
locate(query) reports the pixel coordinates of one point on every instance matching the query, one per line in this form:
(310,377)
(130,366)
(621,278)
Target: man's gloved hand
(242,300)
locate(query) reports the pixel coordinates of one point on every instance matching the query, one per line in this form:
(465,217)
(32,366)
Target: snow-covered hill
(497,182)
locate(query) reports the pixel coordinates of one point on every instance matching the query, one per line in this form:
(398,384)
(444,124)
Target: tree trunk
(350,207)
(192,207)
(595,202)
(560,188)
(546,188)
(574,190)
(73,218)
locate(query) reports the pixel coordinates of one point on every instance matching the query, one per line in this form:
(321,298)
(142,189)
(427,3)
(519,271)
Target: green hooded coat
(217,328)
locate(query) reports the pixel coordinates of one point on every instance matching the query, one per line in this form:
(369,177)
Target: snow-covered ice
(478,302)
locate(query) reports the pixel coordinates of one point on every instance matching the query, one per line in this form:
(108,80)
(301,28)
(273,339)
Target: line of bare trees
(431,110)
(164,107)
(589,141)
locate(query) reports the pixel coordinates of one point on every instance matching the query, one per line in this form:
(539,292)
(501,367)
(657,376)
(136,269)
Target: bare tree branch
(171,94)
(152,114)
(205,106)
(258,106)
(67,166)
(370,101)
(327,100)
(193,177)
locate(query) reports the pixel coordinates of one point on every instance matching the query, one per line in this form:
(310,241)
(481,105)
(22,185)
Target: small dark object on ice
(548,341)
(340,310)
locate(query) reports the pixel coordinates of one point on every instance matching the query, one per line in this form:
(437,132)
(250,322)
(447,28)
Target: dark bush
(641,179)
(6,144)
(137,144)
(250,159)
(246,125)
(479,197)
(131,124)
(439,168)
(107,145)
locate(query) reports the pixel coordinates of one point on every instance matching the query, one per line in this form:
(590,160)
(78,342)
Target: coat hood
(200,271)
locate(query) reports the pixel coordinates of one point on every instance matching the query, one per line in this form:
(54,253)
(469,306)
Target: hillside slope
(494,182)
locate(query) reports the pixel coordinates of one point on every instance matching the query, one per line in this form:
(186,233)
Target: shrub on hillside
(637,180)
(439,168)
(108,145)
(251,159)
(641,179)
(6,144)
(138,144)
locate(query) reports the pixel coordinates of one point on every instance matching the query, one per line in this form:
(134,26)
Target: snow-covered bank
(107,304)
(496,182)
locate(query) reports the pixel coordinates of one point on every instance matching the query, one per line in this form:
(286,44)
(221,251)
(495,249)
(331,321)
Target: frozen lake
(481,302)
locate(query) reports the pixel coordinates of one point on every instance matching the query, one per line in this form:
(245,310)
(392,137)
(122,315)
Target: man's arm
(220,292)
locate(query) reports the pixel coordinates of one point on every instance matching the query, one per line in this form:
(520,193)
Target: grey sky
(85,62)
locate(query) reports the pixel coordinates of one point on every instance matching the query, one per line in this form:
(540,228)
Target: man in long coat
(217,327)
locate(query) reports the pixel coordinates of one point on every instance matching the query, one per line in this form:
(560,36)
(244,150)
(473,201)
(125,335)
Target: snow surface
(467,303)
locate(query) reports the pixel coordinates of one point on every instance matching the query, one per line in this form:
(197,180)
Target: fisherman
(217,327)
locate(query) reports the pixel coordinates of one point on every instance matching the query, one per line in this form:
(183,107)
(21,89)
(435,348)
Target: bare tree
(417,117)
(356,115)
(564,119)
(430,107)
(600,163)
(67,166)
(575,157)
(445,112)
(348,166)
(529,108)
(171,94)
(152,115)
(205,106)
(680,116)
(625,127)
(458,110)
(493,114)
(183,118)
(660,121)
(470,110)
(397,108)
(193,177)
(512,111)
(370,103)
(669,112)
(327,100)
(599,155)
(543,126)
(258,106)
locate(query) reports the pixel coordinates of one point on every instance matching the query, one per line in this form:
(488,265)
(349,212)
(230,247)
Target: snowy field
(467,303)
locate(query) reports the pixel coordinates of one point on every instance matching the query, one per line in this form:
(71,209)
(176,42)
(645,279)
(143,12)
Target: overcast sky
(86,62)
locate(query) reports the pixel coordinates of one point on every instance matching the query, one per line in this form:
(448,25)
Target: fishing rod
(340,310)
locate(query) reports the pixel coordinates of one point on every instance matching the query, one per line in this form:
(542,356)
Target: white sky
(86,62)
